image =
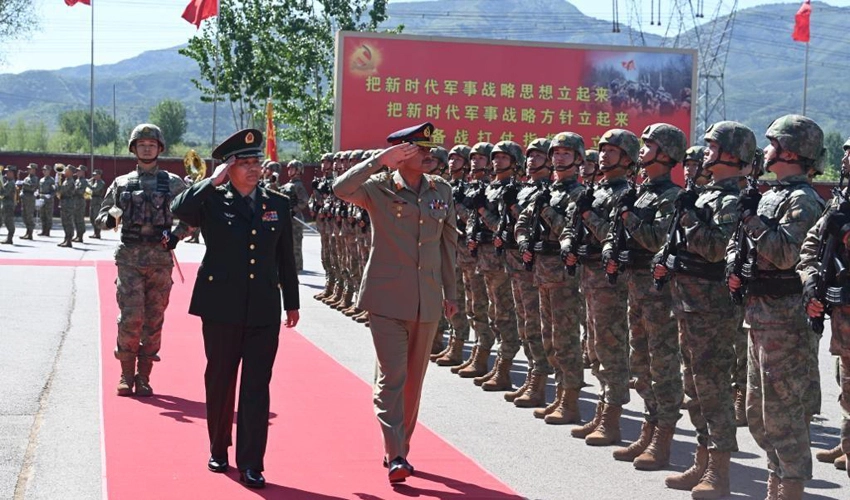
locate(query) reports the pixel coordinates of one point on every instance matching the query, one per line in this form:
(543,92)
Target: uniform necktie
(250,202)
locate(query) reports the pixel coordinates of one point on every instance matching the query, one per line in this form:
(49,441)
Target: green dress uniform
(7,202)
(46,193)
(81,185)
(411,270)
(98,190)
(29,187)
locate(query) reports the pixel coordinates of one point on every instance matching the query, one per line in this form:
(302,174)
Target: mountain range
(763,77)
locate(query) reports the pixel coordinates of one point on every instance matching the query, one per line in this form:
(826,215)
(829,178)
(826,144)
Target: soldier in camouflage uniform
(334,205)
(81,187)
(46,192)
(297,194)
(707,321)
(98,191)
(653,334)
(8,193)
(523,285)
(588,173)
(834,218)
(349,243)
(140,202)
(29,188)
(537,232)
(497,213)
(322,188)
(476,232)
(362,232)
(780,360)
(693,166)
(470,310)
(441,168)
(67,194)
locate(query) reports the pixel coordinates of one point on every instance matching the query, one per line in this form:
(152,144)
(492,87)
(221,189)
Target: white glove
(116,214)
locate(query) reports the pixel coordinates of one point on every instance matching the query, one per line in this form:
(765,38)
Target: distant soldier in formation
(29,187)
(8,193)
(98,191)
(81,192)
(298,198)
(322,191)
(46,193)
(67,193)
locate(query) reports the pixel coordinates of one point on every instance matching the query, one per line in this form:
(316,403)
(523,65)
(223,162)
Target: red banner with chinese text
(485,90)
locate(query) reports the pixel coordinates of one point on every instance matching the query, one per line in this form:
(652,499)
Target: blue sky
(125,28)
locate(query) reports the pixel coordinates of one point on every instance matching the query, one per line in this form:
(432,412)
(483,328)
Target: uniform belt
(484,237)
(140,239)
(775,284)
(641,259)
(589,253)
(691,265)
(548,248)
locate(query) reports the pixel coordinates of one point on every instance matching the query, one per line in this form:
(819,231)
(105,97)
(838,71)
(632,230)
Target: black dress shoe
(217,464)
(387,465)
(399,470)
(252,478)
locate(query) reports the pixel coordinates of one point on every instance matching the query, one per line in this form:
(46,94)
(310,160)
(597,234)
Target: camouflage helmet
(481,148)
(695,153)
(442,155)
(367,154)
(273,166)
(461,150)
(591,155)
(670,140)
(758,163)
(734,138)
(798,134)
(146,131)
(540,144)
(327,157)
(345,155)
(297,165)
(509,148)
(355,156)
(336,156)
(627,142)
(568,140)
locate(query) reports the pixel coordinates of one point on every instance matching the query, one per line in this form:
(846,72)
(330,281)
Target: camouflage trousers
(777,413)
(325,239)
(94,209)
(142,294)
(8,212)
(80,216)
(500,309)
(654,341)
(460,322)
(297,243)
(526,303)
(475,294)
(608,342)
(844,401)
(739,370)
(559,324)
(66,213)
(352,261)
(28,211)
(706,337)
(45,213)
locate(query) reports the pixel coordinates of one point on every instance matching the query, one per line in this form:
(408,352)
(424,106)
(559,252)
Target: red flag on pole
(801,22)
(71,3)
(271,141)
(198,10)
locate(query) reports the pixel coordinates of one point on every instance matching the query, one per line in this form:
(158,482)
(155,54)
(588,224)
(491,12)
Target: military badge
(438,205)
(270,216)
(249,138)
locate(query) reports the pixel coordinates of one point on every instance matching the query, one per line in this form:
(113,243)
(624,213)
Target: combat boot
(488,375)
(143,376)
(47,233)
(829,456)
(567,410)
(715,479)
(478,364)
(357,312)
(634,450)
(326,292)
(437,346)
(362,317)
(773,482)
(66,243)
(352,311)
(608,430)
(454,354)
(501,380)
(790,489)
(96,234)
(740,407)
(334,296)
(125,383)
(559,395)
(467,361)
(444,349)
(533,391)
(657,455)
(346,302)
(585,430)
(840,463)
(691,477)
(8,240)
(27,235)
(78,239)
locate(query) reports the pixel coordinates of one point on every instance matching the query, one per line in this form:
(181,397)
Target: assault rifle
(362,217)
(619,252)
(744,266)
(504,231)
(470,203)
(675,236)
(536,229)
(579,232)
(831,270)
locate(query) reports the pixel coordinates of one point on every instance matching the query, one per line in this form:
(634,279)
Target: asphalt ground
(50,417)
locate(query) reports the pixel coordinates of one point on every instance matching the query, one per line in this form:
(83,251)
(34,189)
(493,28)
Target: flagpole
(91,91)
(215,74)
(805,78)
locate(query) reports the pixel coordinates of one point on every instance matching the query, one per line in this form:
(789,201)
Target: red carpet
(324,441)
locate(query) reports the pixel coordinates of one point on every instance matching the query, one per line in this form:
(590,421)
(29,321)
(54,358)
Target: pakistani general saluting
(409,280)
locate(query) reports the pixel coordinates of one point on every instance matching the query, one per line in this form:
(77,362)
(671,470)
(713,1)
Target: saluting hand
(395,155)
(219,175)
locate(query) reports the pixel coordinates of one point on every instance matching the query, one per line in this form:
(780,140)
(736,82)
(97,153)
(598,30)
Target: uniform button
(441,221)
(210,278)
(421,221)
(251,275)
(253,231)
(253,261)
(252,246)
(398,215)
(420,243)
(229,223)
(272,229)
(419,200)
(419,267)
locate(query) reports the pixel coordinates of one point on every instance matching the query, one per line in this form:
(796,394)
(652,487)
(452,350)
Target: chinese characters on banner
(477,90)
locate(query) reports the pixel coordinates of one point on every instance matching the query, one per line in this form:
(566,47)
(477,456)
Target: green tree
(284,48)
(170,116)
(77,126)
(17,18)
(833,142)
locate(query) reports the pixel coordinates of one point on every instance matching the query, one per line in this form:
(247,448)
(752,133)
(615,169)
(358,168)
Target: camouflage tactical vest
(146,208)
